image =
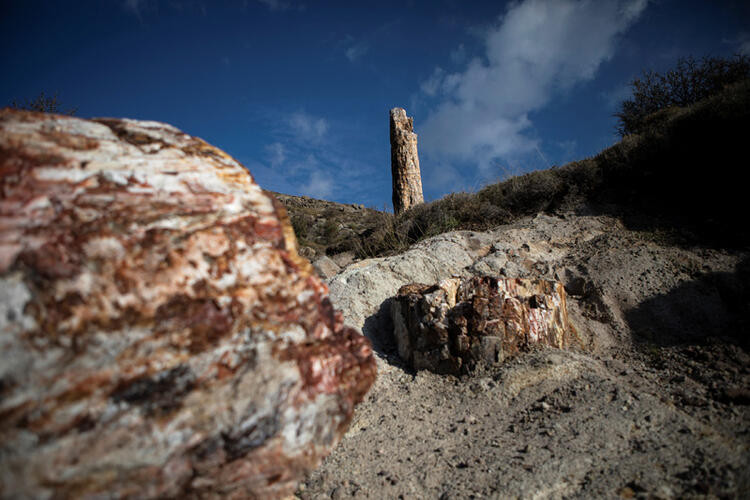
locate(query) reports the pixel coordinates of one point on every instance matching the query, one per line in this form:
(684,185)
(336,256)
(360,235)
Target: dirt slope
(652,404)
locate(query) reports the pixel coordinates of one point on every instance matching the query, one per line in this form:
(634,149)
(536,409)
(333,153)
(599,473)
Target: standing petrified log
(407,180)
(449,327)
(160,336)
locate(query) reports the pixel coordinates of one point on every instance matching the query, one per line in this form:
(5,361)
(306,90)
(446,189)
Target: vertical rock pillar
(407,180)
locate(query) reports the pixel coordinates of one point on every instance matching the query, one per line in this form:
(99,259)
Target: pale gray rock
(491,265)
(326,267)
(364,289)
(343,259)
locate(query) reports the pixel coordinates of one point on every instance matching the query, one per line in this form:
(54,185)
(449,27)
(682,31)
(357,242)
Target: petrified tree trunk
(407,180)
(449,327)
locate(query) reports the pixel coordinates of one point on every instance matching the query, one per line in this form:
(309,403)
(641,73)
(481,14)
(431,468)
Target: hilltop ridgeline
(673,179)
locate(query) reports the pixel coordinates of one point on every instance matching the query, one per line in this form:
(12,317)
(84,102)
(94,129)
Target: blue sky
(299,91)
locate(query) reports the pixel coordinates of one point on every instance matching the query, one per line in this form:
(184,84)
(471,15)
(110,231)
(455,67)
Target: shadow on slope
(682,173)
(379,329)
(714,306)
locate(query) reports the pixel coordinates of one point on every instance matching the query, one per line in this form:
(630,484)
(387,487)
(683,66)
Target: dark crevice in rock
(136,138)
(160,393)
(239,443)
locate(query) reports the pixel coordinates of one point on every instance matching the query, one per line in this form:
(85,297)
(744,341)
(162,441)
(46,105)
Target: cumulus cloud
(458,55)
(306,127)
(276,154)
(616,95)
(276,4)
(135,7)
(319,185)
(132,5)
(743,43)
(356,51)
(538,48)
(282,5)
(303,157)
(139,8)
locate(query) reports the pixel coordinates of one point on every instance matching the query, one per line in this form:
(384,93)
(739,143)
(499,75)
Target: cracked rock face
(160,336)
(451,326)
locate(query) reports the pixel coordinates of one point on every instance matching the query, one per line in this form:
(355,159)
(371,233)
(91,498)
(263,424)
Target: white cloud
(131,5)
(433,83)
(743,43)
(537,49)
(740,42)
(319,185)
(304,158)
(356,50)
(276,4)
(281,5)
(613,97)
(458,55)
(440,82)
(306,127)
(134,6)
(148,7)
(567,151)
(276,154)
(310,154)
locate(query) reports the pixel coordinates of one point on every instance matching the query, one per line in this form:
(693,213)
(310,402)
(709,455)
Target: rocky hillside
(673,180)
(328,228)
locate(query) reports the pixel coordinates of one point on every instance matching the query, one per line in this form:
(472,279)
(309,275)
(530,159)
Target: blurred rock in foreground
(160,336)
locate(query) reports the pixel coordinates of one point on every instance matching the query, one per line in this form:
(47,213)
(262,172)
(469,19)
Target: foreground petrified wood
(160,337)
(449,327)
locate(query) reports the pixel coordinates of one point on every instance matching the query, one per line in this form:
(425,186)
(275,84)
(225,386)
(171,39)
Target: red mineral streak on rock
(160,335)
(449,327)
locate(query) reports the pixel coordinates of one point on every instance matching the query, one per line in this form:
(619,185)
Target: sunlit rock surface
(160,336)
(405,173)
(451,326)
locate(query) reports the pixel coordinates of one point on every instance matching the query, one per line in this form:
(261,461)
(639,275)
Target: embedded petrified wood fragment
(160,336)
(407,179)
(449,327)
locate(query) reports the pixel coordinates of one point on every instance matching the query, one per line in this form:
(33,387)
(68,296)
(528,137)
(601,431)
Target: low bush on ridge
(657,95)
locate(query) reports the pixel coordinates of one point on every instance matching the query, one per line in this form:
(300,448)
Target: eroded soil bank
(652,403)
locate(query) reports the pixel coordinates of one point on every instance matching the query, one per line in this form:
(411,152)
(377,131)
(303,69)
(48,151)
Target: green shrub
(383,237)
(525,194)
(42,103)
(689,82)
(301,225)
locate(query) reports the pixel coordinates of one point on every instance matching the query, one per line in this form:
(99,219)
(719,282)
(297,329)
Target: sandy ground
(652,403)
